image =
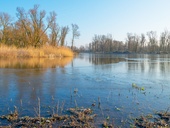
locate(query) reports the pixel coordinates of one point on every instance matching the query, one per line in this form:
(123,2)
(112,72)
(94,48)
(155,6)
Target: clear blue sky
(116,17)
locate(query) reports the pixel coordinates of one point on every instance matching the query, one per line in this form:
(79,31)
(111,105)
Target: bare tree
(64,32)
(105,43)
(75,33)
(164,41)
(37,25)
(33,25)
(24,25)
(31,29)
(168,43)
(5,25)
(152,41)
(142,42)
(130,42)
(136,43)
(54,41)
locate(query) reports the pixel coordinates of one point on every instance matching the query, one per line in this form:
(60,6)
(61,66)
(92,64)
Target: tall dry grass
(43,52)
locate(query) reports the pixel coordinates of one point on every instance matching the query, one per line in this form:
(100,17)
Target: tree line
(34,28)
(144,43)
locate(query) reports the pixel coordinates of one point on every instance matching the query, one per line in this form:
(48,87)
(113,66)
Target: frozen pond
(127,86)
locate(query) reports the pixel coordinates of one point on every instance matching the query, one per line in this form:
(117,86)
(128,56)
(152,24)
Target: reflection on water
(155,64)
(142,63)
(108,77)
(100,59)
(34,62)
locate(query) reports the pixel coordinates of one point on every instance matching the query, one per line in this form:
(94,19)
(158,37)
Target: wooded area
(134,43)
(33,28)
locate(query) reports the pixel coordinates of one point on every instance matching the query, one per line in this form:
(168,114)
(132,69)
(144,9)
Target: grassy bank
(43,52)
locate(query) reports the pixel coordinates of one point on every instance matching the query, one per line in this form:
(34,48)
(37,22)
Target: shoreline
(30,52)
(82,117)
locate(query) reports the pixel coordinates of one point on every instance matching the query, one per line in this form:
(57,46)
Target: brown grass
(43,52)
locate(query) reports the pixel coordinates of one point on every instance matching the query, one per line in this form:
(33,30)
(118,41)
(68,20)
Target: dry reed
(43,52)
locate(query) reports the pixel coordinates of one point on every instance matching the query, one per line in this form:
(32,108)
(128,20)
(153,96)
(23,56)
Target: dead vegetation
(81,118)
(159,120)
(76,118)
(31,52)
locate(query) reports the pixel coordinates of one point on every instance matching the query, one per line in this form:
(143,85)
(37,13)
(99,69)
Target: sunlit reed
(43,52)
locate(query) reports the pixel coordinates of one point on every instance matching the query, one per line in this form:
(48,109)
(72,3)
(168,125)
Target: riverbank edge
(83,117)
(31,52)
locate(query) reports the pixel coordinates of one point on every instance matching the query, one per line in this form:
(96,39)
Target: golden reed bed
(43,52)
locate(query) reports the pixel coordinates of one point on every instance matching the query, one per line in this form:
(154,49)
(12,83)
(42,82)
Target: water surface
(95,77)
